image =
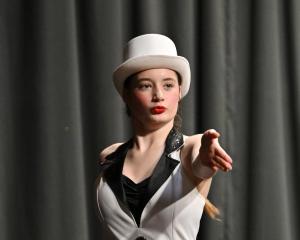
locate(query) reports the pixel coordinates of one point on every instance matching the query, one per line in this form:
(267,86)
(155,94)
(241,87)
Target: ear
(180,93)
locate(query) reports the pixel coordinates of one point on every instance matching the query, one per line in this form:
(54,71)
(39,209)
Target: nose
(158,95)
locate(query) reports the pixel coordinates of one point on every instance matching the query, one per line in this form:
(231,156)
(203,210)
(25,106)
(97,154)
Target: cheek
(174,98)
(139,100)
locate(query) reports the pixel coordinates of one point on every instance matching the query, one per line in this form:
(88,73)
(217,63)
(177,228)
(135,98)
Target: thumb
(209,136)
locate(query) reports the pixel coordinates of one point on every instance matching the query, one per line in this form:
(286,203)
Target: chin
(160,120)
(151,121)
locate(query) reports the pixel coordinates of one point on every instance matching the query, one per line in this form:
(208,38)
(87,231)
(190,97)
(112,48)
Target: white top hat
(151,51)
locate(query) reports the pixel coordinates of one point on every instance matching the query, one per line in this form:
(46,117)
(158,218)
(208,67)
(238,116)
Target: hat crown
(149,44)
(151,51)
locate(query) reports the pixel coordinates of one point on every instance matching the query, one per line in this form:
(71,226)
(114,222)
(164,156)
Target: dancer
(155,185)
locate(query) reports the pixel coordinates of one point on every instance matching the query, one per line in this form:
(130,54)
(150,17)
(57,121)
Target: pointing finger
(223,165)
(208,137)
(221,153)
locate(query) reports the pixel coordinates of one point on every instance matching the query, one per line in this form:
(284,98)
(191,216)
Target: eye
(144,86)
(168,85)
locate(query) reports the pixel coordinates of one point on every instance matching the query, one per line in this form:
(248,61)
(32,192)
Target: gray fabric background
(58,108)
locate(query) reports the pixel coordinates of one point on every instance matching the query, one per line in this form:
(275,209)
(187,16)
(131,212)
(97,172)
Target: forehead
(156,73)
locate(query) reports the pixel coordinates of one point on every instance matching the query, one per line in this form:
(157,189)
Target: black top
(136,196)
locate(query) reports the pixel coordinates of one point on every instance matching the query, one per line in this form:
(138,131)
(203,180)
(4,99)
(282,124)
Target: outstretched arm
(207,157)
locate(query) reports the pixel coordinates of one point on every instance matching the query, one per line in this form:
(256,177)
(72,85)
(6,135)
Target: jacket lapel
(166,163)
(113,170)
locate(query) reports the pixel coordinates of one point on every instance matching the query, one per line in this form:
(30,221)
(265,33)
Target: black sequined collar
(174,141)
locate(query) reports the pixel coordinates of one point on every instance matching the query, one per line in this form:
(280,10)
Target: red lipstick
(158,110)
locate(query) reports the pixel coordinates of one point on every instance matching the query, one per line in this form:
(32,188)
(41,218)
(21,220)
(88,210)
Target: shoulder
(108,150)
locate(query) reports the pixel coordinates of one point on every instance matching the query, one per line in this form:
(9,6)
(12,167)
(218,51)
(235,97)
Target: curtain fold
(58,108)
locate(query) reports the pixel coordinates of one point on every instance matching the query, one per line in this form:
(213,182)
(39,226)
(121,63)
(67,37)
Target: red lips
(158,110)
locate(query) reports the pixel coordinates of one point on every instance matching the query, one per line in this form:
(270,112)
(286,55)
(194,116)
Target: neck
(146,138)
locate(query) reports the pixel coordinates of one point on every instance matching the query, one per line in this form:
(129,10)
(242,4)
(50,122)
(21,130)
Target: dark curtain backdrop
(58,108)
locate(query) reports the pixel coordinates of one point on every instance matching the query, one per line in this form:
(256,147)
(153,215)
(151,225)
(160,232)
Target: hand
(211,154)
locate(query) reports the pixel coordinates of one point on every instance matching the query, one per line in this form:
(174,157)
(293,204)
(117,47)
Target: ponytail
(211,210)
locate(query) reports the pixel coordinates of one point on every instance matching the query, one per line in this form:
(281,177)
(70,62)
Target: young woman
(155,185)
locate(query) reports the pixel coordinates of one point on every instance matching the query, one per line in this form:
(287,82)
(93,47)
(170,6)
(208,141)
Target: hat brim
(141,63)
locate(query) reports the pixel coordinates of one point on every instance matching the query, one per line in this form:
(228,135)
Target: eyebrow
(168,79)
(150,79)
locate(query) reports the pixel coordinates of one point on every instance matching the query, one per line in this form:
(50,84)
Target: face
(152,97)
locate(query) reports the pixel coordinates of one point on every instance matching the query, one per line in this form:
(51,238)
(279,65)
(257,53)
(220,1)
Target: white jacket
(173,212)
